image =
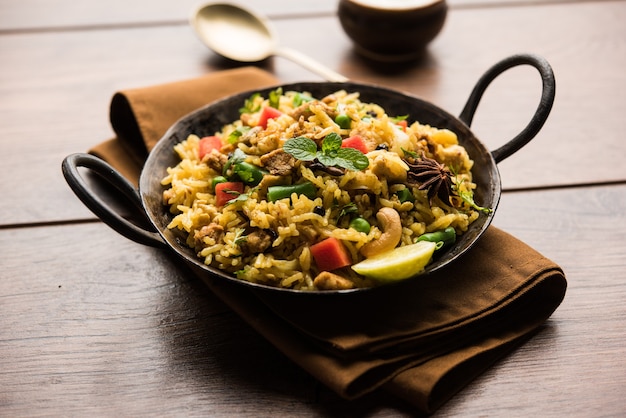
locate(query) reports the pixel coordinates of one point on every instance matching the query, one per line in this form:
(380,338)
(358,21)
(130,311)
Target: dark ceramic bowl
(149,202)
(392,31)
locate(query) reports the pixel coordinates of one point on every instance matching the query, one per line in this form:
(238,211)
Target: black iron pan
(209,119)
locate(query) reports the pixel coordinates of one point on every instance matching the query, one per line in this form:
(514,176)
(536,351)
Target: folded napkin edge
(549,290)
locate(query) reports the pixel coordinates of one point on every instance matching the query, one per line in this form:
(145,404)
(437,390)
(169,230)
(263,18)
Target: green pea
(360,224)
(445,237)
(343,121)
(217,180)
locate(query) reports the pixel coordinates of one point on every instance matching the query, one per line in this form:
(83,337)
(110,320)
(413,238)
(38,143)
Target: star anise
(431,176)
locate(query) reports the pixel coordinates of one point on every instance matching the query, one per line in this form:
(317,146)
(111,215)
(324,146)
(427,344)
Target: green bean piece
(275,193)
(446,237)
(249,173)
(360,225)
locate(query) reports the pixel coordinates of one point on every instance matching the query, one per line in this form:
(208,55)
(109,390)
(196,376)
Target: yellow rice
(288,261)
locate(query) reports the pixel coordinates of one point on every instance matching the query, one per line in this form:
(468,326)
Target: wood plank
(581,349)
(590,84)
(54,94)
(33,15)
(93,323)
(62,14)
(123,332)
(96,324)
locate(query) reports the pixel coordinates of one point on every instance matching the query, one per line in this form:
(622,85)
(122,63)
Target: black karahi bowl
(148,200)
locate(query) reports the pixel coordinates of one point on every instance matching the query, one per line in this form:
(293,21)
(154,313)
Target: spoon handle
(310,64)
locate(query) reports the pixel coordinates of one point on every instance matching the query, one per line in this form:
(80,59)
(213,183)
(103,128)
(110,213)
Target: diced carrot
(403,124)
(355,142)
(266,114)
(207,144)
(227,191)
(330,254)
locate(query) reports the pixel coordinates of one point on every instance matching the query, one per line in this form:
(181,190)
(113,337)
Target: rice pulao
(300,189)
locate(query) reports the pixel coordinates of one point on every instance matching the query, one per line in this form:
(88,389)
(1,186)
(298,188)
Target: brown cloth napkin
(141,116)
(422,340)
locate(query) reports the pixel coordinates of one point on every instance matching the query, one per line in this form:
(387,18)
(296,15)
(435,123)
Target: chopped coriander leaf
(300,98)
(242,197)
(240,237)
(234,136)
(348,209)
(274,97)
(249,104)
(236,157)
(468,196)
(411,154)
(397,119)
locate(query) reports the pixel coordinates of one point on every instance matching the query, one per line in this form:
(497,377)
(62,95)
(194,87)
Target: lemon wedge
(397,264)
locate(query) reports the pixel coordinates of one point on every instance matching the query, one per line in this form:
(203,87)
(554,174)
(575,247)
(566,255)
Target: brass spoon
(242,35)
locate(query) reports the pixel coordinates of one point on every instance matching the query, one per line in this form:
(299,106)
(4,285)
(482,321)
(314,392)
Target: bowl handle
(98,206)
(541,114)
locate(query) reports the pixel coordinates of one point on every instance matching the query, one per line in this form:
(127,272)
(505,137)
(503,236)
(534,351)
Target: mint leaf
(331,154)
(302,148)
(351,159)
(331,143)
(327,160)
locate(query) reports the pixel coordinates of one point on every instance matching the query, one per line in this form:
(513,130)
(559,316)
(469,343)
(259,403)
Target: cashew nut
(392,232)
(331,281)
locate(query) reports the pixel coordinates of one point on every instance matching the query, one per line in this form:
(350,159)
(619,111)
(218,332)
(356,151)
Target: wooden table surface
(93,324)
